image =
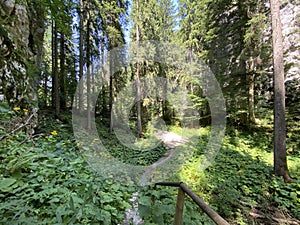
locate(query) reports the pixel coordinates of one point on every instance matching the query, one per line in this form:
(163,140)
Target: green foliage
(50,183)
(138,156)
(158,207)
(45,180)
(241,177)
(254,32)
(286,196)
(5,112)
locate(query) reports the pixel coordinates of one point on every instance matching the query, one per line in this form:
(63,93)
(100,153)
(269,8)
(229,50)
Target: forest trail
(171,140)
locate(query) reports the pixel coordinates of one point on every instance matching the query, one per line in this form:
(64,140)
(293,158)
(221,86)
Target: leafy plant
(158,207)
(50,183)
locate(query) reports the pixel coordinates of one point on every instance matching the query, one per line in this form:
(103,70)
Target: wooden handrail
(180,199)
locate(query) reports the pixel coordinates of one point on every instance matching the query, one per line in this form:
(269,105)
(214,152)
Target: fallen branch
(23,125)
(285,221)
(256,215)
(289,221)
(19,127)
(246,204)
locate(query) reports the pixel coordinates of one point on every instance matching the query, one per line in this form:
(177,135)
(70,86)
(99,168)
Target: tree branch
(19,127)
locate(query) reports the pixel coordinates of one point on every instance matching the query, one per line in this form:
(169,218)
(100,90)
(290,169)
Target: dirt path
(171,141)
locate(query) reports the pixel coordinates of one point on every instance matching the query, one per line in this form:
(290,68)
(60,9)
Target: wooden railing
(182,190)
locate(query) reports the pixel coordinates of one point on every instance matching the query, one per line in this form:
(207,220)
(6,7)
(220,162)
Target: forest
(102,100)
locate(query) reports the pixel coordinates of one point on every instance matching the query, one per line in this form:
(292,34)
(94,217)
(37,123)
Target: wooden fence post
(179,207)
(180,200)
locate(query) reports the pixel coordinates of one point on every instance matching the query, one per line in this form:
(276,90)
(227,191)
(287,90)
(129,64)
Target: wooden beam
(179,207)
(209,211)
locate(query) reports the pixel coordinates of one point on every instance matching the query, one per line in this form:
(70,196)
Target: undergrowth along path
(171,140)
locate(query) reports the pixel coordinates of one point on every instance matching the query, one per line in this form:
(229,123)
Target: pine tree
(152,20)
(280,161)
(138,85)
(113,12)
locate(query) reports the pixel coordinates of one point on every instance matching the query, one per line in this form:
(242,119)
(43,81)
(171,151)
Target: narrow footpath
(171,141)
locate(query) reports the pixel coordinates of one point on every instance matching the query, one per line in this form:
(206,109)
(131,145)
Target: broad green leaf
(6,184)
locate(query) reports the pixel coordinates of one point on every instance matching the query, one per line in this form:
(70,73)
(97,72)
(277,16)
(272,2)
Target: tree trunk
(138,86)
(165,111)
(40,32)
(74,82)
(63,94)
(111,122)
(251,103)
(45,89)
(55,83)
(93,78)
(88,74)
(81,62)
(280,161)
(53,65)
(103,84)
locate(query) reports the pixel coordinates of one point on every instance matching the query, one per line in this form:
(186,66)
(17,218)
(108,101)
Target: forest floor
(45,179)
(269,214)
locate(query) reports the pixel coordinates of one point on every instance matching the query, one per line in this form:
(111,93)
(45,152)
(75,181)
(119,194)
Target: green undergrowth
(238,183)
(45,179)
(241,178)
(157,206)
(143,152)
(51,183)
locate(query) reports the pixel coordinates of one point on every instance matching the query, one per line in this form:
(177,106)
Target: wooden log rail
(182,189)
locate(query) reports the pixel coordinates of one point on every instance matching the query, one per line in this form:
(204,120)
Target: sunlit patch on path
(170,139)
